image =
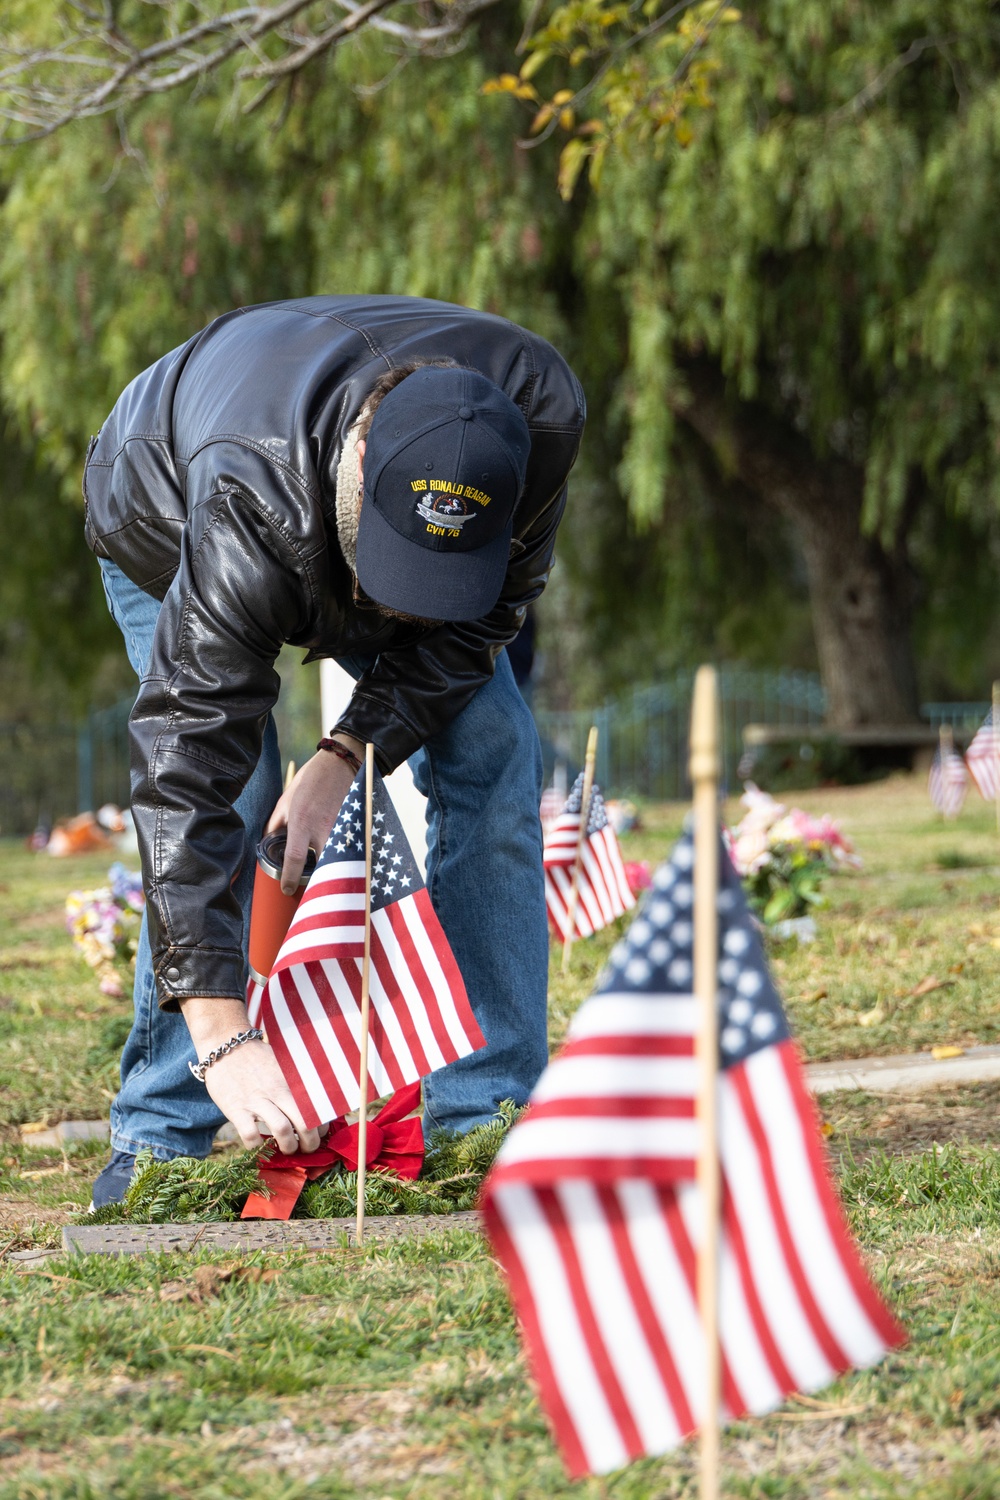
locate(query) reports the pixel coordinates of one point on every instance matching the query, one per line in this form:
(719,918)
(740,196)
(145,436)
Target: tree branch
(43,88)
(881,81)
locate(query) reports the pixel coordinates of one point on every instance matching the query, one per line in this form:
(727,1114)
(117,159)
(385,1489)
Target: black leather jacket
(212,486)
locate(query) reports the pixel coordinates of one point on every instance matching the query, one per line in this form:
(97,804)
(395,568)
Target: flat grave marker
(254,1234)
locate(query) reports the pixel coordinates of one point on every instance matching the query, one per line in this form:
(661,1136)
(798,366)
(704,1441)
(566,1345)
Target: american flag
(603,891)
(981,759)
(310,1008)
(595,1216)
(948,781)
(551,806)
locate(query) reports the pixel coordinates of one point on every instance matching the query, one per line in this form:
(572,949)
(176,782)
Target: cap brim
(418,581)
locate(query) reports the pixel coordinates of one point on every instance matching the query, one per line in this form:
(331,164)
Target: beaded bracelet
(338,749)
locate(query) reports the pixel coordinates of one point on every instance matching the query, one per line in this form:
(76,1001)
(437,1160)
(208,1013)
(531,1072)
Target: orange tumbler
(271,911)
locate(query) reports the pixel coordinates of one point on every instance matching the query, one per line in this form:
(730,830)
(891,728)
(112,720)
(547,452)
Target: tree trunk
(860,593)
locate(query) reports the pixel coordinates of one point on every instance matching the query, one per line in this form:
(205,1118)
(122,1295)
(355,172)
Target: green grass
(396,1371)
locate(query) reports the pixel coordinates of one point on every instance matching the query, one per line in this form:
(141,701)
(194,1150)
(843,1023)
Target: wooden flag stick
(359,1226)
(581,839)
(996,748)
(705,781)
(945,746)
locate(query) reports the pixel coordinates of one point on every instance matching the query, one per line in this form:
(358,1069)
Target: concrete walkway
(907,1073)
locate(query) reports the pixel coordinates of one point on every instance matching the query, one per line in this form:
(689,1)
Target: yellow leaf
(566,118)
(542,118)
(507,83)
(563,97)
(531,64)
(940,1053)
(573,156)
(684,133)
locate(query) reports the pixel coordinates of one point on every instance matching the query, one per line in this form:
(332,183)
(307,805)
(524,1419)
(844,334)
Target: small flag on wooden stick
(585,882)
(595,1212)
(366,991)
(310,1007)
(948,779)
(982,758)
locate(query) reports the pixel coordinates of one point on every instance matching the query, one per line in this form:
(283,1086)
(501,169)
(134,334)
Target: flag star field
(420,1016)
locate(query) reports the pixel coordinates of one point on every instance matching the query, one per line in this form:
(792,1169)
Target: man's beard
(397,614)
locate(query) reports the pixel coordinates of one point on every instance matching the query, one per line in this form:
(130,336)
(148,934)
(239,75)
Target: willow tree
(118,241)
(766,292)
(800,206)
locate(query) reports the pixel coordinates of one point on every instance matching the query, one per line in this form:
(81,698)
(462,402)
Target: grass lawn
(396,1371)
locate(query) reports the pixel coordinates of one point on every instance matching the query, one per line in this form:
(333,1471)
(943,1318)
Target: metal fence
(642,747)
(102,765)
(966,716)
(37,775)
(54,771)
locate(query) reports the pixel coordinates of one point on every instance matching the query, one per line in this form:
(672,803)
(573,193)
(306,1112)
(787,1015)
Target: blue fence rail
(102,764)
(54,771)
(967,716)
(642,746)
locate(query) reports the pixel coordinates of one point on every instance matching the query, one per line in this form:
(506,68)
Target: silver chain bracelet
(200,1069)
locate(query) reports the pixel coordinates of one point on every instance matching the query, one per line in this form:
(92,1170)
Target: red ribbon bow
(393,1144)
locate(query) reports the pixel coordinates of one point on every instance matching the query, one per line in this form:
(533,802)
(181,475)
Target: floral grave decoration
(104,924)
(783,855)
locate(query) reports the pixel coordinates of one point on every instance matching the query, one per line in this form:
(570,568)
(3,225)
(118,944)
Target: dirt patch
(18,1214)
(911,1123)
(371,1444)
(818,1446)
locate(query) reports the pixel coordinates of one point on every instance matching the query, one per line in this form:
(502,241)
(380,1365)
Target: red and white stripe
(603,891)
(601,1264)
(551,806)
(947,783)
(310,1008)
(615,1102)
(983,761)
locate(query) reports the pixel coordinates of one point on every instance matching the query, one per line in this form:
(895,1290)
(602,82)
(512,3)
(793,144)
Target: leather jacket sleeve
(196,733)
(412,692)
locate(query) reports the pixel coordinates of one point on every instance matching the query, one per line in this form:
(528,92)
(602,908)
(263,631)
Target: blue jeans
(482,779)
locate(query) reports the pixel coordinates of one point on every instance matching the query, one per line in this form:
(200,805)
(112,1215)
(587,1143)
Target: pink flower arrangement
(782,855)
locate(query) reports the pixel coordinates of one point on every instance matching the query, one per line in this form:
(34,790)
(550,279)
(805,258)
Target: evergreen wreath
(186,1189)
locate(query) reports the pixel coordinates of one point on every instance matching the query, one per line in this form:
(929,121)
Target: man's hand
(247,1084)
(309,808)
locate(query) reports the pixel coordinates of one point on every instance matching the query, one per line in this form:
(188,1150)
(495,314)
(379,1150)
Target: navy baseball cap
(443,470)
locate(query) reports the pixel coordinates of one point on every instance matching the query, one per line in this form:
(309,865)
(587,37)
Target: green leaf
(781,905)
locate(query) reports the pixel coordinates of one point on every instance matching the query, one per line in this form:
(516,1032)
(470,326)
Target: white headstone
(336,687)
